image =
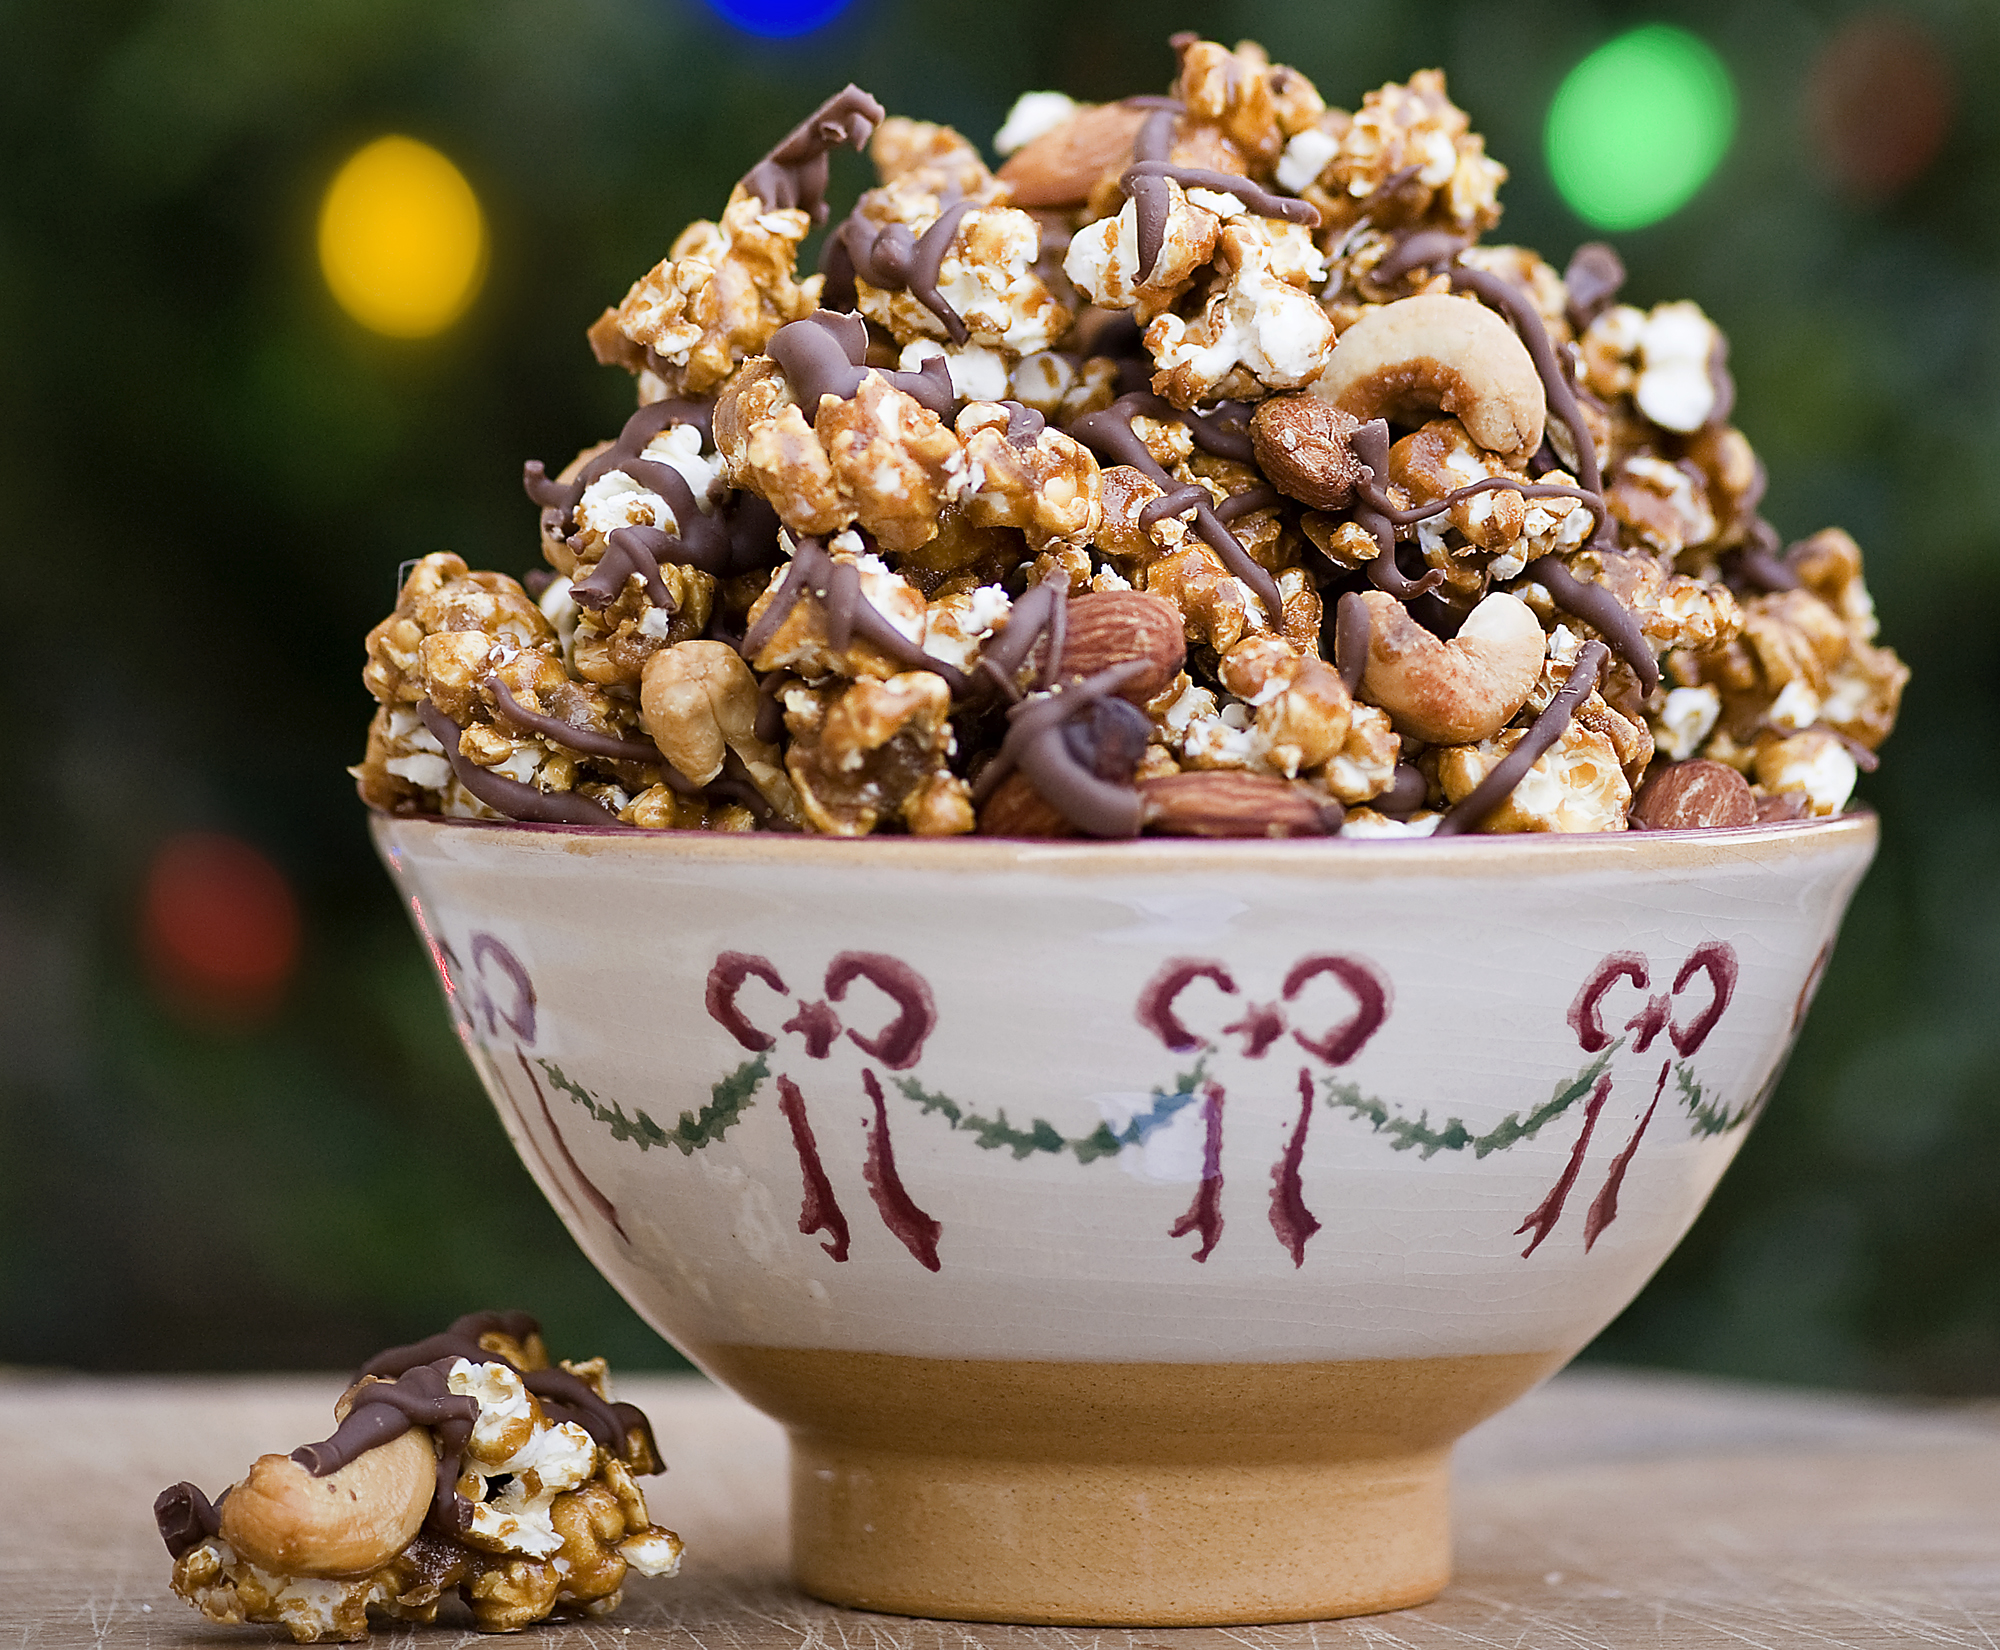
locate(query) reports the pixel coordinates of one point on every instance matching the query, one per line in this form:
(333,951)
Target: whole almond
(1016,808)
(1060,167)
(1694,796)
(1228,802)
(1109,627)
(1302,446)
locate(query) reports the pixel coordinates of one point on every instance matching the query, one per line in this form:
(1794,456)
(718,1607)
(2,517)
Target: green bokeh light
(1637,127)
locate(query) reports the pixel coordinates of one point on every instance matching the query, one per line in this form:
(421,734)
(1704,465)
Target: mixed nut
(464,1463)
(1199,471)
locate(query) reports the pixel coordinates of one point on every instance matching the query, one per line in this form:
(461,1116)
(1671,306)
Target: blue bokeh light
(778,19)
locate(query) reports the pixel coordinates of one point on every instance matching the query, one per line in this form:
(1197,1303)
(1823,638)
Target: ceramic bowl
(1125,1232)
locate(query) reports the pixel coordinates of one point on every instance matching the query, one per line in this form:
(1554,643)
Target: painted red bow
(898,1045)
(1260,1026)
(1715,961)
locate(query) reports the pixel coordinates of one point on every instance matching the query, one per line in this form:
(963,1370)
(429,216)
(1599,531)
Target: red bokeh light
(1879,99)
(219,926)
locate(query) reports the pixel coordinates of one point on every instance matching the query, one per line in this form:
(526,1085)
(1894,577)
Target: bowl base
(1128,1494)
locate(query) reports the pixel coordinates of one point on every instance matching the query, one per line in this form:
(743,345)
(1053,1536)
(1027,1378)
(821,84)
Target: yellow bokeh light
(402,241)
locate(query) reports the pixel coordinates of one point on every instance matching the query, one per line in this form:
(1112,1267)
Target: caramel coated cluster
(463,1465)
(1200,470)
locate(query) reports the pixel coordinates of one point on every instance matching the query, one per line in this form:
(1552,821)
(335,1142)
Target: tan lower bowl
(1124,1233)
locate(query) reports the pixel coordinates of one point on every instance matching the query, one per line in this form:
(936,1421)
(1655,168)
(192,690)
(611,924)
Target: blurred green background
(220,472)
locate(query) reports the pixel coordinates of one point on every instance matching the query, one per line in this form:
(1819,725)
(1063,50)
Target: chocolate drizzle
(1043,611)
(587,740)
(1546,729)
(1353,630)
(1376,513)
(1109,434)
(1423,250)
(1594,274)
(419,1396)
(737,539)
(1503,296)
(1037,745)
(1152,202)
(1151,199)
(794,174)
(720,542)
(1603,611)
(509,797)
(1430,248)
(1757,564)
(1380,515)
(1024,424)
(848,613)
(892,258)
(565,1397)
(824,354)
(185,1517)
(625,454)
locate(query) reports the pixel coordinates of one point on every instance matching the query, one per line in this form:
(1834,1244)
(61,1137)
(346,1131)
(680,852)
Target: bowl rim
(1320,858)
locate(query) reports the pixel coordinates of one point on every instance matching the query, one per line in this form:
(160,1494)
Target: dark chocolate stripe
(1254,196)
(1603,612)
(586,740)
(388,1409)
(892,259)
(1035,743)
(1425,249)
(1352,631)
(824,354)
(848,613)
(1503,296)
(1187,497)
(632,440)
(185,1517)
(1757,562)
(1546,729)
(1044,610)
(794,174)
(1249,502)
(629,552)
(1374,512)
(509,797)
(1109,434)
(1224,430)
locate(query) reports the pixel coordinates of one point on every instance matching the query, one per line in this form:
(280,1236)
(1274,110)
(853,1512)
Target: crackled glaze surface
(1265,1103)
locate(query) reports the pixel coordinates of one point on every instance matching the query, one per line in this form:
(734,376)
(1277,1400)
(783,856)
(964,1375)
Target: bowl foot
(1160,1495)
(1130,1544)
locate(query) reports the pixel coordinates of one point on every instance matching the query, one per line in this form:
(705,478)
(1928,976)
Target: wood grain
(1606,1510)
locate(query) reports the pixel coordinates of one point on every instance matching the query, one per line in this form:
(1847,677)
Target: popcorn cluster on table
(783,598)
(552,1520)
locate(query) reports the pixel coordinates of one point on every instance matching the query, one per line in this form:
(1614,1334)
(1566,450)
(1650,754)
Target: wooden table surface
(1608,1509)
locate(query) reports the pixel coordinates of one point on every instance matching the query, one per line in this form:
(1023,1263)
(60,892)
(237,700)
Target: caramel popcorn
(1202,446)
(464,1463)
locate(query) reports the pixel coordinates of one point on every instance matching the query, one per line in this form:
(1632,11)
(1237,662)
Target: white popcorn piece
(1687,718)
(1035,114)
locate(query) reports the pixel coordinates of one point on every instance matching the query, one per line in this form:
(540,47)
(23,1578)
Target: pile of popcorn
(462,1464)
(1200,471)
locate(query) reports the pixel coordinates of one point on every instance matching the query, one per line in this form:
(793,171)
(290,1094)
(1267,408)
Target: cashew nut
(350,1522)
(699,701)
(1456,692)
(1408,360)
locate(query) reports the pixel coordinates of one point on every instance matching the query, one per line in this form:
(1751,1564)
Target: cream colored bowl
(1125,1232)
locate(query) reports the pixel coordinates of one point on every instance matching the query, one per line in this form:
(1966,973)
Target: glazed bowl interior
(1075,1203)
